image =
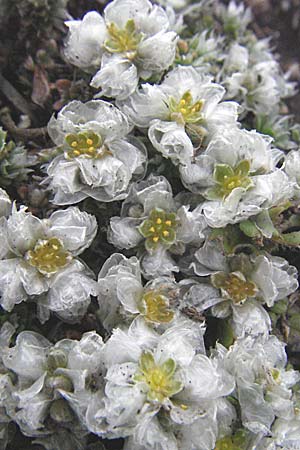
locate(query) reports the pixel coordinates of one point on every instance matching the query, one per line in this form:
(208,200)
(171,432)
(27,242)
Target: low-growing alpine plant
(150,304)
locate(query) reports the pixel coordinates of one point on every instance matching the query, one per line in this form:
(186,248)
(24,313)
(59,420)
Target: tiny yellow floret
(152,229)
(166,233)
(155,239)
(168,223)
(74,144)
(158,221)
(89,142)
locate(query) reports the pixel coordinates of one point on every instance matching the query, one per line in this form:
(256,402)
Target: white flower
(181,112)
(130,41)
(40,262)
(151,215)
(176,4)
(237,175)
(47,375)
(122,295)
(150,374)
(5,203)
(235,17)
(263,384)
(98,160)
(240,286)
(292,168)
(253,77)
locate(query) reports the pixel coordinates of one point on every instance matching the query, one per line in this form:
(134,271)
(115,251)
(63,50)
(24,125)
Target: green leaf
(249,229)
(226,335)
(291,239)
(277,210)
(294,322)
(280,307)
(232,238)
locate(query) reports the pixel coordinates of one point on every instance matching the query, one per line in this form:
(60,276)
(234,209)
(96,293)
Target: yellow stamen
(158,221)
(76,152)
(152,229)
(166,233)
(89,142)
(155,239)
(168,223)
(91,149)
(74,144)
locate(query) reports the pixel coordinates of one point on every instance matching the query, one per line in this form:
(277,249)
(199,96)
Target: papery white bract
(151,215)
(40,262)
(131,41)
(97,158)
(182,112)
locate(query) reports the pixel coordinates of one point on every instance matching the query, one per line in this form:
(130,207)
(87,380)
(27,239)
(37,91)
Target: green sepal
(221,171)
(242,168)
(144,228)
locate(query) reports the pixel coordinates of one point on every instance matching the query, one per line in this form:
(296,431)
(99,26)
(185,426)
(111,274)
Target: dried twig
(15,98)
(21,133)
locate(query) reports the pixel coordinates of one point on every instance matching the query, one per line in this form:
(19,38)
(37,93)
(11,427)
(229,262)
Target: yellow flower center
(185,110)
(234,286)
(154,307)
(228,178)
(86,144)
(159,228)
(48,256)
(235,442)
(123,40)
(160,378)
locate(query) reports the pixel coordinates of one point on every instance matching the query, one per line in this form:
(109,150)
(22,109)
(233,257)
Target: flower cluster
(187,164)
(38,261)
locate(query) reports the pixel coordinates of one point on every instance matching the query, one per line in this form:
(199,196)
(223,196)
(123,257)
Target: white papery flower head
(97,157)
(235,16)
(151,376)
(292,168)
(240,286)
(7,388)
(131,41)
(52,379)
(258,365)
(181,112)
(151,215)
(40,262)
(5,203)
(254,78)
(237,175)
(122,295)
(176,4)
